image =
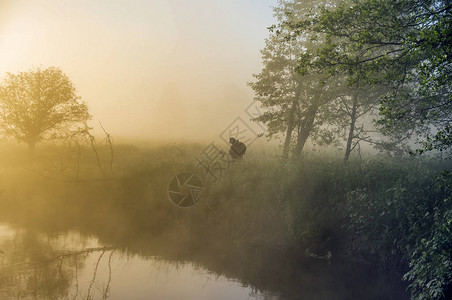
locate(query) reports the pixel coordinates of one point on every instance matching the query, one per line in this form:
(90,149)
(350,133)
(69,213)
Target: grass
(376,211)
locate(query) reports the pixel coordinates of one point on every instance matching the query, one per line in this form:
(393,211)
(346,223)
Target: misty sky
(148,69)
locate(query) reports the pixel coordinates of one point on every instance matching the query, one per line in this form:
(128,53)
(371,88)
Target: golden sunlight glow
(148,69)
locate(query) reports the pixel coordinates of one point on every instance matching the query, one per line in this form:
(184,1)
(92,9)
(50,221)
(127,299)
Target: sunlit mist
(149,69)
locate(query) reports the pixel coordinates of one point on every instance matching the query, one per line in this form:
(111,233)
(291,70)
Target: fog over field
(226,149)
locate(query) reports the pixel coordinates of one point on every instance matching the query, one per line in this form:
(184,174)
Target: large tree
(310,101)
(278,86)
(297,97)
(40,104)
(404,45)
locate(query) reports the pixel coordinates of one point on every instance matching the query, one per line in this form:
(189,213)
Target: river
(71,264)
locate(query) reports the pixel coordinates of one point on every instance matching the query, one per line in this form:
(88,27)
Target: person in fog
(237,149)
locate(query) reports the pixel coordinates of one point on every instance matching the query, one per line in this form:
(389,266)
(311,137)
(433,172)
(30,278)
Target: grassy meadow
(393,215)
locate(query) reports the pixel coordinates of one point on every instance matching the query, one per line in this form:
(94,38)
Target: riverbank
(380,213)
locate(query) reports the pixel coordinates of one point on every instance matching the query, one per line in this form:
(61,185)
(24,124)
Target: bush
(431,260)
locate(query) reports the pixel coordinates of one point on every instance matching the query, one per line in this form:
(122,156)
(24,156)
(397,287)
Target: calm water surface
(35,265)
(71,265)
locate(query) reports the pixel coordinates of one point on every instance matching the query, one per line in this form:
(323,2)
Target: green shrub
(431,261)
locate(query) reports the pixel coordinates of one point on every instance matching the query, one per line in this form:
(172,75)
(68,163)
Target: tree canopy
(309,97)
(40,104)
(404,45)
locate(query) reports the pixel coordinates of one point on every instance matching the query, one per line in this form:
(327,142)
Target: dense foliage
(403,45)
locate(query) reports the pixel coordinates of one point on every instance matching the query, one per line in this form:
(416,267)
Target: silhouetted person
(237,150)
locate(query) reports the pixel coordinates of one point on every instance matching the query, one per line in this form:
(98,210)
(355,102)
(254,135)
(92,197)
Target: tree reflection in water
(35,266)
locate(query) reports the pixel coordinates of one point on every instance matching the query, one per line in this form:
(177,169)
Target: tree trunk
(351,132)
(305,129)
(290,126)
(31,141)
(31,148)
